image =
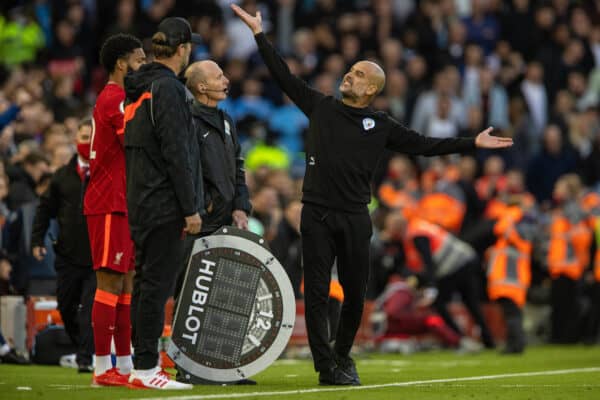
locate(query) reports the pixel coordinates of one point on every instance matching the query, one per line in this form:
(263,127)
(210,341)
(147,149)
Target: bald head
(362,83)
(206,81)
(375,74)
(198,73)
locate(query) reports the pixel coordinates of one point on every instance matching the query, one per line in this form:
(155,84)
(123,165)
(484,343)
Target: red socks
(123,325)
(104,314)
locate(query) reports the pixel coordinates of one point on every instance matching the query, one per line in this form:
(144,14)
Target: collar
(81,163)
(200,109)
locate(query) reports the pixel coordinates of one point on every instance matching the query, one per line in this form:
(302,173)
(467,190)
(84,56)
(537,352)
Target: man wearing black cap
(162,183)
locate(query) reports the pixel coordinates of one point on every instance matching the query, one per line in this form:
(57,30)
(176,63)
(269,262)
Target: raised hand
(254,23)
(486,141)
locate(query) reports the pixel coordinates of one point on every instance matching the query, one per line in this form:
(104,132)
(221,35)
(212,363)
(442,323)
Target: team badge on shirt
(368,123)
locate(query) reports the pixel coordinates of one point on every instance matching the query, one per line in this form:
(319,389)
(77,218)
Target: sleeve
(172,124)
(197,162)
(117,118)
(423,246)
(46,210)
(305,97)
(241,199)
(404,140)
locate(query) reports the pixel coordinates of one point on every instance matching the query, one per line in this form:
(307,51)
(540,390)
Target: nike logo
(206,134)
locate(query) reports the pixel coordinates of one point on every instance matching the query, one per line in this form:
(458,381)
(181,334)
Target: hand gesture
(487,141)
(254,23)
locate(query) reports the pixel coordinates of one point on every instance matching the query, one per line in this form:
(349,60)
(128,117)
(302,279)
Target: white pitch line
(378,386)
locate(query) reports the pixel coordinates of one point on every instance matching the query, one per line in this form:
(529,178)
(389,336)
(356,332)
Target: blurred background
(530,69)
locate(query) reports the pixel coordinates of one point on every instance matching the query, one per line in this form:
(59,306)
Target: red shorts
(111,242)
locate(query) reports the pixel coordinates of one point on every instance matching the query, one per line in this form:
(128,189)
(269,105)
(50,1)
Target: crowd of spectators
(530,69)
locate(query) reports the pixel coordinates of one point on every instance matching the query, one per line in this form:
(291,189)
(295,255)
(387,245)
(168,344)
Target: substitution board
(236,310)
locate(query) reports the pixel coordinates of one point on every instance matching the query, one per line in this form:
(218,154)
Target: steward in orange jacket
(443,203)
(509,273)
(440,259)
(591,205)
(567,255)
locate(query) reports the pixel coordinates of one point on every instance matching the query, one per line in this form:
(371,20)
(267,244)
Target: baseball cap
(178,31)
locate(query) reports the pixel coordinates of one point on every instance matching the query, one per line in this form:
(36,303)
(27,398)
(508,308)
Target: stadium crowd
(530,69)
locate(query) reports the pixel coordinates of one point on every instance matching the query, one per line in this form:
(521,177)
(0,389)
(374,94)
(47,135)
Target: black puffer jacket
(160,149)
(222,167)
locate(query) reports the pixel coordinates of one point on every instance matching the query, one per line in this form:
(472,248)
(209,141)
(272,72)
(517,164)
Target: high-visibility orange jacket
(395,197)
(569,246)
(448,253)
(496,207)
(442,209)
(591,205)
(509,262)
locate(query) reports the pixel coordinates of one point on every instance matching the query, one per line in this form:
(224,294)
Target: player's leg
(124,246)
(123,326)
(109,286)
(104,316)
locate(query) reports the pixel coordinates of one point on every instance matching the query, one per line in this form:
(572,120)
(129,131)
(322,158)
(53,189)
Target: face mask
(83,149)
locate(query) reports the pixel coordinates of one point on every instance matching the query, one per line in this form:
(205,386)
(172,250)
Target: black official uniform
(223,188)
(342,149)
(76,280)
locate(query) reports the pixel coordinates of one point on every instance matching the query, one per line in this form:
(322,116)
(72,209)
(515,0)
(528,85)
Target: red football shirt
(105,192)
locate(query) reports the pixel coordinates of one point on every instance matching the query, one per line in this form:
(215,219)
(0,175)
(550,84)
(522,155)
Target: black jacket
(62,200)
(344,143)
(223,175)
(159,149)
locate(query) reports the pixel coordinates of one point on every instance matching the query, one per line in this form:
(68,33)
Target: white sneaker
(68,361)
(468,345)
(155,378)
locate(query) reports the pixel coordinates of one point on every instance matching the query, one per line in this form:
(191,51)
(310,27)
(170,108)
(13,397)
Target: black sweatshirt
(344,143)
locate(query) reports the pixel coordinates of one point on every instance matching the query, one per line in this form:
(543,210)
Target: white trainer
(468,345)
(155,378)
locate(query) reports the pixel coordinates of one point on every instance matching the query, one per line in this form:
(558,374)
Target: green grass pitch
(547,372)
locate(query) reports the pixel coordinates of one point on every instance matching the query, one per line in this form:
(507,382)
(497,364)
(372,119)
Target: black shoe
(512,350)
(346,364)
(85,369)
(243,382)
(335,377)
(13,358)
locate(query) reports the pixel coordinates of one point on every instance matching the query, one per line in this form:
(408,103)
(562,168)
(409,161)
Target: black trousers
(75,290)
(327,235)
(159,251)
(513,318)
(564,298)
(464,281)
(591,326)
